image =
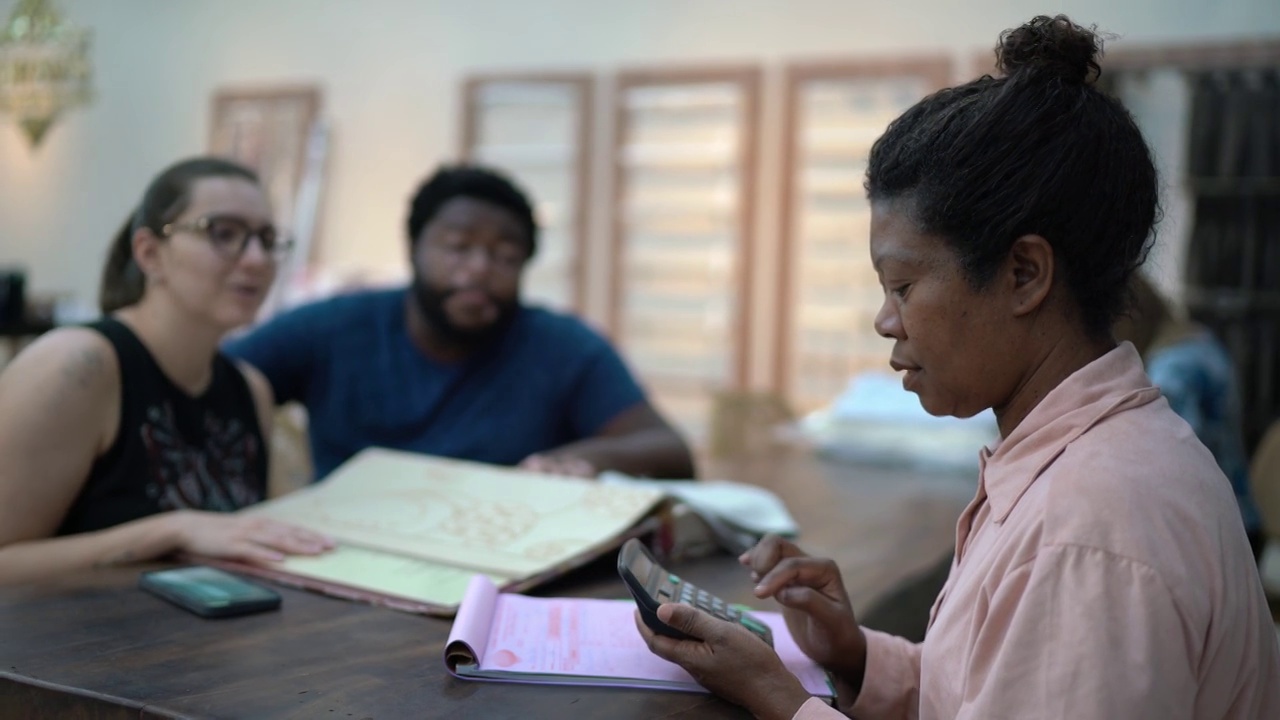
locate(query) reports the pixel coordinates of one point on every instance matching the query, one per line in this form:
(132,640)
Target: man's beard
(431,304)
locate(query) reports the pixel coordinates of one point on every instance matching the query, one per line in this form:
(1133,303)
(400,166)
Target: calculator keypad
(680,591)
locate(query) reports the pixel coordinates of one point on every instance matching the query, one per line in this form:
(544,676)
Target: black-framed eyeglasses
(230,236)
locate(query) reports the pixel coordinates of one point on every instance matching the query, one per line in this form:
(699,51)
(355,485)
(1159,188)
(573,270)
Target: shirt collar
(1111,384)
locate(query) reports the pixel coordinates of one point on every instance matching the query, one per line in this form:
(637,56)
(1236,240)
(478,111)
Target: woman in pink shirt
(1102,570)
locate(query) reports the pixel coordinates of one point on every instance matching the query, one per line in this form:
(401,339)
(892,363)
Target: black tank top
(172,451)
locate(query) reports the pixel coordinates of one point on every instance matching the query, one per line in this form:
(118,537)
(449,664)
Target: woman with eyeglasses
(133,437)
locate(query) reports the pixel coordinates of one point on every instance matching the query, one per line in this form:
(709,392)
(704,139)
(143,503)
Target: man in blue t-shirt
(455,365)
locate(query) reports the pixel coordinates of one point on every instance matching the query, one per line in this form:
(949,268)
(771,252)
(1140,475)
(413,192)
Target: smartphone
(651,585)
(209,592)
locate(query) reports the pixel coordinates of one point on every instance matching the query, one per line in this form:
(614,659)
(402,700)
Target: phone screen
(210,586)
(210,592)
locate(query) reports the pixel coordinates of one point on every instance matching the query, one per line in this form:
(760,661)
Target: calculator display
(642,567)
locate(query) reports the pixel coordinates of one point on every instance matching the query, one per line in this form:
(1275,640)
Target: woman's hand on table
(244,538)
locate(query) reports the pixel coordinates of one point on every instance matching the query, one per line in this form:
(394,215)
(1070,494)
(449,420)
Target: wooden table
(96,647)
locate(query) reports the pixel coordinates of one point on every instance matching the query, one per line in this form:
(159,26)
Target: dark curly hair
(1039,150)
(474,182)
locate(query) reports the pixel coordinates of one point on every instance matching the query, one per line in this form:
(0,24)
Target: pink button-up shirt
(1102,571)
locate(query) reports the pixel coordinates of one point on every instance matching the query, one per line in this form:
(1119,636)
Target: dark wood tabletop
(95,646)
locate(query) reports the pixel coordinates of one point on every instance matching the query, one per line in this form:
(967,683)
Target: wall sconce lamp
(44,67)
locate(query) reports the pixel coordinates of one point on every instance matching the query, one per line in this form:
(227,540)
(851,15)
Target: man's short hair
(476,182)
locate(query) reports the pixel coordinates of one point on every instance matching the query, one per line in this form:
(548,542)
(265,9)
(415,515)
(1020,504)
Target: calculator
(651,585)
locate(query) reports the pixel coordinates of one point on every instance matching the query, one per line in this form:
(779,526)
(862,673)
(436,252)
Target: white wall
(390,71)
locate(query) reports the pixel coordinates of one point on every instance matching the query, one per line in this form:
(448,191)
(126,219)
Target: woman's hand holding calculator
(724,656)
(727,651)
(814,604)
(727,659)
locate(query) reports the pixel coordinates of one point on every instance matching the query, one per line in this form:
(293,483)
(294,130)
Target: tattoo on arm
(83,367)
(79,373)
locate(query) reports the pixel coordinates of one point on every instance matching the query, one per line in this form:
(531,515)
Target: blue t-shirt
(550,380)
(1195,374)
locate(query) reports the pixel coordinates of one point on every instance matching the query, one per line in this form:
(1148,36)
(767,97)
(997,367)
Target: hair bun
(1053,45)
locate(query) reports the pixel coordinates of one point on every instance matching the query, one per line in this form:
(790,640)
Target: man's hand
(637,442)
(728,660)
(814,604)
(560,464)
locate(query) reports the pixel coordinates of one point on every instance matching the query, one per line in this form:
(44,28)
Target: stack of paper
(577,641)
